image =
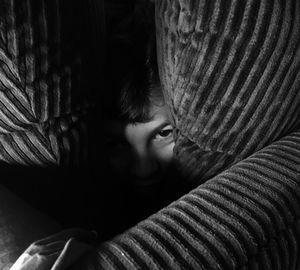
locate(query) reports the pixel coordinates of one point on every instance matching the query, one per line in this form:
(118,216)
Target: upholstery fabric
(230,72)
(44,94)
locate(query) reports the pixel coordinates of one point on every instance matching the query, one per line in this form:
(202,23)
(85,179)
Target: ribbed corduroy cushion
(230,71)
(43,95)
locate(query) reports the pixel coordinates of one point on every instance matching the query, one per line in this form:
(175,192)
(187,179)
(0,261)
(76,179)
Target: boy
(140,141)
(138,130)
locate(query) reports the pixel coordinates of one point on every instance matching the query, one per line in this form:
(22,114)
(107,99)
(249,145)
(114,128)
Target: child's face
(143,150)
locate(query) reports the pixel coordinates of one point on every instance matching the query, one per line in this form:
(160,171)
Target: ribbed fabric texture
(43,103)
(245,218)
(230,72)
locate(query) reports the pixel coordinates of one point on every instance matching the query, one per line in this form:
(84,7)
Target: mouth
(150,181)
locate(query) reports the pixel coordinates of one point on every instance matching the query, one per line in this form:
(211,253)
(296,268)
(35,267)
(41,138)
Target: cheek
(120,162)
(164,154)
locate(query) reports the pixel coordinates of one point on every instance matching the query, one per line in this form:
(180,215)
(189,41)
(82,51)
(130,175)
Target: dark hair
(133,78)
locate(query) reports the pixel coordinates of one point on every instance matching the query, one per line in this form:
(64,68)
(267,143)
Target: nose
(145,166)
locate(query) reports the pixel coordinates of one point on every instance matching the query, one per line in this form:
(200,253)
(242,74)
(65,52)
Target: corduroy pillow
(47,88)
(230,70)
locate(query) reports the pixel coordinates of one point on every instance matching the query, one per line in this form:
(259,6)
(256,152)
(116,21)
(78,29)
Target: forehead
(158,116)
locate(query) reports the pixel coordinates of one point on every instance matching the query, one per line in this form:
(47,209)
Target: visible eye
(164,134)
(162,144)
